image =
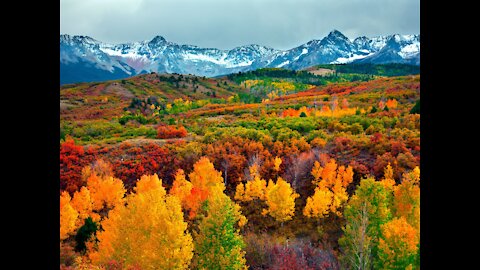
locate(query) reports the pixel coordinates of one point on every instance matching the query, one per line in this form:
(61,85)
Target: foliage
(218,244)
(331,189)
(68,216)
(406,201)
(416,107)
(168,132)
(130,117)
(398,245)
(203,179)
(106,192)
(181,188)
(82,202)
(72,160)
(150,223)
(251,127)
(280,199)
(254,189)
(365,213)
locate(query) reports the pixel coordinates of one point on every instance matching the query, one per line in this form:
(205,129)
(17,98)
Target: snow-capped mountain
(84,59)
(396,49)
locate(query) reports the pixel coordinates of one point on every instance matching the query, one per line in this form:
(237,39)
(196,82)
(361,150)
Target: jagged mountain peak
(158,40)
(66,38)
(336,38)
(249,47)
(361,39)
(160,55)
(336,34)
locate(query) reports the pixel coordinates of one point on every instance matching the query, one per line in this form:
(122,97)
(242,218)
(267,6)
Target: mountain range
(84,59)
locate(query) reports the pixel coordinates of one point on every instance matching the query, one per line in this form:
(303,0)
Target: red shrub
(129,164)
(168,132)
(72,159)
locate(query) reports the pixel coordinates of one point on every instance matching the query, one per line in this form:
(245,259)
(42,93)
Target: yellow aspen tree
(328,173)
(331,189)
(398,245)
(406,198)
(254,171)
(388,179)
(147,232)
(242,220)
(319,204)
(105,192)
(204,178)
(317,172)
(240,192)
(277,162)
(389,183)
(254,189)
(340,197)
(68,216)
(204,175)
(280,198)
(181,188)
(148,182)
(82,202)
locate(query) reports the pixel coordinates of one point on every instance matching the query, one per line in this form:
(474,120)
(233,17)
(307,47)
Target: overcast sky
(225,24)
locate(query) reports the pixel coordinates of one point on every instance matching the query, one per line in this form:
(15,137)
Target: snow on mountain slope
(397,49)
(89,56)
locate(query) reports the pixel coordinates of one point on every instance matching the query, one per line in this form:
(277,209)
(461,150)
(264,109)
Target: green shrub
(84,234)
(416,108)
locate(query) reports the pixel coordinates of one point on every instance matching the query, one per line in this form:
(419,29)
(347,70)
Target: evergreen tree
(416,108)
(84,234)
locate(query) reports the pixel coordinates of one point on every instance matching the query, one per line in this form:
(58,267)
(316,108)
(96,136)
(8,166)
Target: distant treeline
(392,69)
(300,76)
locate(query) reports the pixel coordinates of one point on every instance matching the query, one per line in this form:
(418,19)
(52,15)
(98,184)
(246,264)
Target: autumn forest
(266,169)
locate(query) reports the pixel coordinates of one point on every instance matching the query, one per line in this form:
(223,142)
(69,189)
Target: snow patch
(304,51)
(344,60)
(217,59)
(284,63)
(410,50)
(130,54)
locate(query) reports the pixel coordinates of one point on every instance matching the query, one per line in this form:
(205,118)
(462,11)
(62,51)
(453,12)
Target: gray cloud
(226,24)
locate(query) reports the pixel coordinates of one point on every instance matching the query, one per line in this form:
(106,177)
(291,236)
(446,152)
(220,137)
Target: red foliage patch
(169,132)
(72,160)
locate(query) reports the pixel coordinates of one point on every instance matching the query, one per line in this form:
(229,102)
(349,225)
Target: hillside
(319,147)
(110,97)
